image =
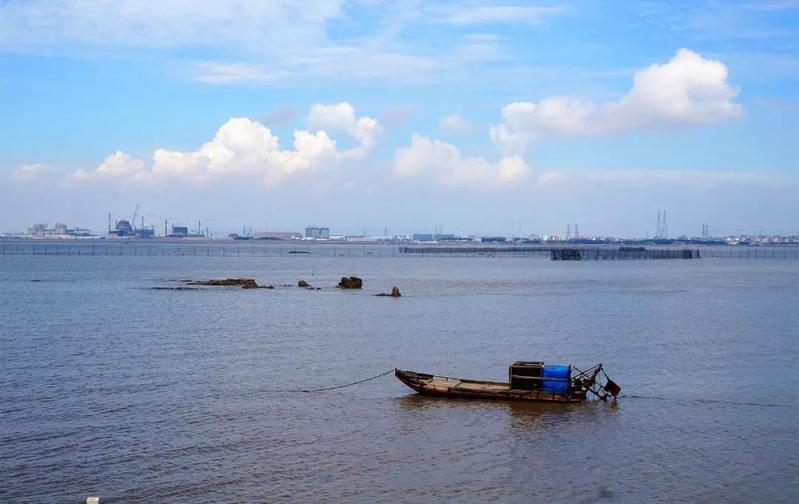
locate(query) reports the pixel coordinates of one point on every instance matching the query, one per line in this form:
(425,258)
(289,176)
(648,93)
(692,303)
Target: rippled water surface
(110,388)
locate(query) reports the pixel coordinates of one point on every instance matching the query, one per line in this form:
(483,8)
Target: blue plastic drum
(556,379)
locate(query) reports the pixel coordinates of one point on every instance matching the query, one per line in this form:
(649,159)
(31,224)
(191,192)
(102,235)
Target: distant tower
(657,228)
(576,231)
(568,231)
(665,226)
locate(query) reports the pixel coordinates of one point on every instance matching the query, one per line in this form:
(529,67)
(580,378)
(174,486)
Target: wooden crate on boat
(525,375)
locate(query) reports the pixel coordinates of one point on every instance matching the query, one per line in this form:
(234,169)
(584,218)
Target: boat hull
(441,386)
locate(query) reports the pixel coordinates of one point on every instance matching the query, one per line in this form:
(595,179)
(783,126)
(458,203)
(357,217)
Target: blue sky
(484,117)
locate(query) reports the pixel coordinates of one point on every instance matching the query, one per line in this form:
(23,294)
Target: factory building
(317,233)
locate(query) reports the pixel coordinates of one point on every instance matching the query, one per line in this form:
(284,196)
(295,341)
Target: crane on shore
(135,213)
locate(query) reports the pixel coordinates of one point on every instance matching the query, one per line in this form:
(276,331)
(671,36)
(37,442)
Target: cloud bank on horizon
(687,90)
(447,99)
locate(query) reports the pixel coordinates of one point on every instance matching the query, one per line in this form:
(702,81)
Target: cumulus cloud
(29,172)
(242,146)
(443,161)
(688,90)
(341,117)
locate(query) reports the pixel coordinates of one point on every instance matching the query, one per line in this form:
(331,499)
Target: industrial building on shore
(317,233)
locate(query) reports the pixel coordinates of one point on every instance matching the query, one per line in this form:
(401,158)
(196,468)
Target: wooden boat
(527,381)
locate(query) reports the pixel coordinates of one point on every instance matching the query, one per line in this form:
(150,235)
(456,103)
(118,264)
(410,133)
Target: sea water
(110,388)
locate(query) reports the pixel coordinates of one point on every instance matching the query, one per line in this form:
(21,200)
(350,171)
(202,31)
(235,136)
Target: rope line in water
(336,387)
(716,401)
(625,396)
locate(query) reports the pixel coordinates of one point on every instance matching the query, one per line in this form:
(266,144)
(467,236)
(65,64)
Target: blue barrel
(556,379)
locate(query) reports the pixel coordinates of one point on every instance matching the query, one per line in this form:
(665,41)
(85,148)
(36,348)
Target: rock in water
(245,283)
(224,282)
(394,293)
(352,282)
(303,283)
(249,283)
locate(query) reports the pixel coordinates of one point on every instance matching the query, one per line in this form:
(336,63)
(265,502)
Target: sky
(478,117)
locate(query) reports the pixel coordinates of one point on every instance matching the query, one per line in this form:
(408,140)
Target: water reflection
(519,415)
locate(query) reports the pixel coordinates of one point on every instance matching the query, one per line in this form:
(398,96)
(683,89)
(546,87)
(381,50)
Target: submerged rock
(304,284)
(352,282)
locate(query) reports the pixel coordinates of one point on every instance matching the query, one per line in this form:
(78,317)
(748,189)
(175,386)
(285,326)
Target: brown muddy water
(109,388)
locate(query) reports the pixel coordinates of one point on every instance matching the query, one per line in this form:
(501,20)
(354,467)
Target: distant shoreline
(443,244)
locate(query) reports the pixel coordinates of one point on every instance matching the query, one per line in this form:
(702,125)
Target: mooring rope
(324,389)
(624,396)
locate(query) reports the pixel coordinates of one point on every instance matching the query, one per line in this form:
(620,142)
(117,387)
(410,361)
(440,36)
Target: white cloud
(443,161)
(278,39)
(225,73)
(274,26)
(29,172)
(366,61)
(258,41)
(242,146)
(341,117)
(688,90)
(454,123)
(469,15)
(117,165)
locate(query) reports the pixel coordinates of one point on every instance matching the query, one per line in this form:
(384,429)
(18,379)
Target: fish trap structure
(570,253)
(621,253)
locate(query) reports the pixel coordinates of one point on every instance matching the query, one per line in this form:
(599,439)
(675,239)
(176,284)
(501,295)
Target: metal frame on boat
(527,381)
